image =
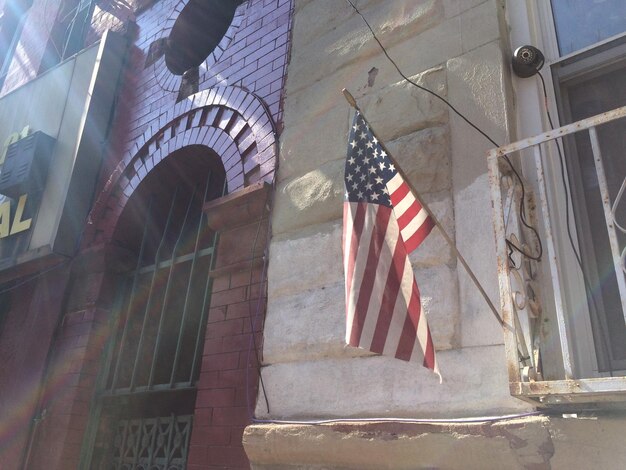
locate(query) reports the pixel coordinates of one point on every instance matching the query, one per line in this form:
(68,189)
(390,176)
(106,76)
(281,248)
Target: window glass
(581,23)
(600,90)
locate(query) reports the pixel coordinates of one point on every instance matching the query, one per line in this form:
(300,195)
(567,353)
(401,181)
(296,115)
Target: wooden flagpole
(445,235)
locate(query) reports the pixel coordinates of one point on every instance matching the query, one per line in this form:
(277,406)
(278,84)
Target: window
(589,84)
(11,23)
(568,341)
(147,388)
(582,23)
(197,32)
(58,38)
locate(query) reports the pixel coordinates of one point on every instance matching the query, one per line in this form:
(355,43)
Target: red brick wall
(227,388)
(228,382)
(26,333)
(74,365)
(256,60)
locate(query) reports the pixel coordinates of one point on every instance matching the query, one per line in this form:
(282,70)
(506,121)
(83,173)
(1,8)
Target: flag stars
(368,167)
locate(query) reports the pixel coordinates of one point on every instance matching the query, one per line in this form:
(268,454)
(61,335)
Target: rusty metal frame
(569,390)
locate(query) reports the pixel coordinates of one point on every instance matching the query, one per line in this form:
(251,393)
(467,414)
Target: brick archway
(231,121)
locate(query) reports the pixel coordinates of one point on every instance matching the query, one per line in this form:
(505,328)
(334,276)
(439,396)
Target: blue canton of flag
(368,170)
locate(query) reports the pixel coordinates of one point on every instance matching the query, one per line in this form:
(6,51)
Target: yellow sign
(10,226)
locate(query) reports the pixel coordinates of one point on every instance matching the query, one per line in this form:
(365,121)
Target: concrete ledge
(533,442)
(511,444)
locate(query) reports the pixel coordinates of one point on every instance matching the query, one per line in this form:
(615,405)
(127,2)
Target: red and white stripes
(383,307)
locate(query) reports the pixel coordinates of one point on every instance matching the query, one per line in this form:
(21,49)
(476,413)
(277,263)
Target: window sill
(598,391)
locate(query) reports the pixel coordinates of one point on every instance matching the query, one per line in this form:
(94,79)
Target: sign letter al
(18,225)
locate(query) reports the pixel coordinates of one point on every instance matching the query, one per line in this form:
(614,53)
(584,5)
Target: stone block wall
(454,48)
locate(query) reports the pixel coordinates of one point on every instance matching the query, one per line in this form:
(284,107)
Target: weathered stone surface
(319,127)
(401,109)
(315,141)
(306,326)
(309,260)
(533,442)
(479,25)
(439,295)
(338,47)
(424,157)
(435,250)
(313,198)
(475,382)
(589,441)
(475,82)
(456,7)
(309,324)
(523,443)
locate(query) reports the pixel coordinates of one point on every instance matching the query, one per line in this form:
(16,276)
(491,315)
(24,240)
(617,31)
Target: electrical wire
(480,419)
(567,195)
(253,323)
(512,246)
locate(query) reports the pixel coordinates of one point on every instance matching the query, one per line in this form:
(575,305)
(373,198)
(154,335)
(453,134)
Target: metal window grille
(165,303)
(521,283)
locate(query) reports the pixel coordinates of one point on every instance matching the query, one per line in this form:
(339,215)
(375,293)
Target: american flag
(383,223)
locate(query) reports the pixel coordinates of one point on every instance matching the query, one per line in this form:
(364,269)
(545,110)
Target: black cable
(510,244)
(567,194)
(253,324)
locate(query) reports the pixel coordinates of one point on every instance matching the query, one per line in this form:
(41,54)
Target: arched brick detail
(231,121)
(171,82)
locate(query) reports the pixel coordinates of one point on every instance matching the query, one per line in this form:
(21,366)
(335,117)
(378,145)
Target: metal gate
(152,444)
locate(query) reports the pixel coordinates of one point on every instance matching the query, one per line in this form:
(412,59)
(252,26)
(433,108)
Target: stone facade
(459,50)
(307,360)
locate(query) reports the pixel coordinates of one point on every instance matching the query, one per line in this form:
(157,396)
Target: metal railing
(528,288)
